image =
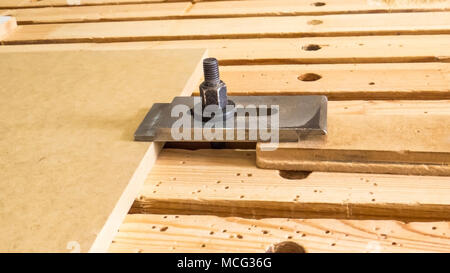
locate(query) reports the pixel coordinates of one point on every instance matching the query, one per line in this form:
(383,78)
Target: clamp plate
(288,116)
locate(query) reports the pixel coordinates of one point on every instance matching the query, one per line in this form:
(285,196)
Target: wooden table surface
(380,60)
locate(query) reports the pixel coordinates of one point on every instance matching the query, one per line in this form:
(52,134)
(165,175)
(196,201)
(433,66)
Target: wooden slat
(307,7)
(329,5)
(257,27)
(212,9)
(227,183)
(364,49)
(65,3)
(173,233)
(99,13)
(397,137)
(342,81)
(70,3)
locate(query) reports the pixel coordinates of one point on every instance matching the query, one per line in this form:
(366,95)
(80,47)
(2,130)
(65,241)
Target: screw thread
(211,70)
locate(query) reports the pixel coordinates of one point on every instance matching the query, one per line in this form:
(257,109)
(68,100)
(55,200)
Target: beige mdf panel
(68,162)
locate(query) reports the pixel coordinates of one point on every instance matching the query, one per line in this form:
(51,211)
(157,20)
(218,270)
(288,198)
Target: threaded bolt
(211,70)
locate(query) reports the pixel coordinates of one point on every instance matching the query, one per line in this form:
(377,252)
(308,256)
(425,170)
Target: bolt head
(214,94)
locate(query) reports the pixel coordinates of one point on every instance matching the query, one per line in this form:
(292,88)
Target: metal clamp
(236,118)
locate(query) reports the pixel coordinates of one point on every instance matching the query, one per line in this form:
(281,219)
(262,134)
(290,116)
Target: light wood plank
(227,183)
(215,9)
(99,13)
(364,49)
(173,233)
(410,81)
(65,3)
(254,27)
(302,7)
(67,137)
(71,3)
(397,137)
(330,4)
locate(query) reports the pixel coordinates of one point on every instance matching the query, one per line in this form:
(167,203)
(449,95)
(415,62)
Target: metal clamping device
(232,118)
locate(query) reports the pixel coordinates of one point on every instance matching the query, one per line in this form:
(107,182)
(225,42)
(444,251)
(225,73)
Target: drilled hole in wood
(163,229)
(309,77)
(311,47)
(286,247)
(318,4)
(294,175)
(315,22)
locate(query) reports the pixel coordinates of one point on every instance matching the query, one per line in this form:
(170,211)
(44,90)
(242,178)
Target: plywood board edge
(117,216)
(352,167)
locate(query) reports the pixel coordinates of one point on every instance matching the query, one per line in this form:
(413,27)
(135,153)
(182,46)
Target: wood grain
(227,183)
(69,137)
(343,81)
(329,5)
(252,27)
(173,233)
(363,49)
(66,3)
(99,13)
(305,7)
(224,183)
(215,9)
(397,137)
